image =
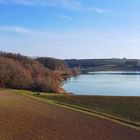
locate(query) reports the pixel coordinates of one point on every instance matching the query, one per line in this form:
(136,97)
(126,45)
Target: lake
(117,83)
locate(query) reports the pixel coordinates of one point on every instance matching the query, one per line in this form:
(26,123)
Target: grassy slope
(125,109)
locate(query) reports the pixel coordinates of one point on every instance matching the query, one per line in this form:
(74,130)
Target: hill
(22,72)
(104,64)
(53,64)
(59,66)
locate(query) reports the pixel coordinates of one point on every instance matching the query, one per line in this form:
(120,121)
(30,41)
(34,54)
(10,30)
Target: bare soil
(24,118)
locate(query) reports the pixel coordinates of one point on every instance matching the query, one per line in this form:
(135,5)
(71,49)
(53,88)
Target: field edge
(78,109)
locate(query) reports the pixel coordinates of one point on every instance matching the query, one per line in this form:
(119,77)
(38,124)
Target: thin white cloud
(18,2)
(98,10)
(65,17)
(71,4)
(24,2)
(15,29)
(68,4)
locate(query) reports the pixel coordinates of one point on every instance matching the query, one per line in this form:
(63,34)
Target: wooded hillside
(104,64)
(59,66)
(21,72)
(53,64)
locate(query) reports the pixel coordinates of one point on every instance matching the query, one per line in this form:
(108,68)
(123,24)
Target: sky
(70,29)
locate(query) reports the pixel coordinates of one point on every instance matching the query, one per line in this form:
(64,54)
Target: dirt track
(23,118)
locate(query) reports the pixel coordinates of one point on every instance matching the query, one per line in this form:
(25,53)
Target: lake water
(105,83)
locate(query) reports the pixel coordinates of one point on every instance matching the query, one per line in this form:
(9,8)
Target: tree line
(22,72)
(104,64)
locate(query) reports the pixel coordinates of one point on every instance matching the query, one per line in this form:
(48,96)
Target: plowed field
(24,118)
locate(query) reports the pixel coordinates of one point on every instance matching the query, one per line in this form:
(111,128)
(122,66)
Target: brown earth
(23,118)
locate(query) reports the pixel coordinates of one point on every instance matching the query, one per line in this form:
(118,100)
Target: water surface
(118,83)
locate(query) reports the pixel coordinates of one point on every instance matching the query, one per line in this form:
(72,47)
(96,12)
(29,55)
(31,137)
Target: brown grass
(23,118)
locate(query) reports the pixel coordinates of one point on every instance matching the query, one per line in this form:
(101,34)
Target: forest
(22,72)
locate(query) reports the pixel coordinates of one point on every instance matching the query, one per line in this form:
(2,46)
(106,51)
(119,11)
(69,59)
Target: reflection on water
(105,83)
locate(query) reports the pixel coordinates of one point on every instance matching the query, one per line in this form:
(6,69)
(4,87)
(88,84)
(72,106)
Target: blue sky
(71,28)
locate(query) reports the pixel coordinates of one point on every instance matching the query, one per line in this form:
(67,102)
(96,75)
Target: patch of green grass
(127,108)
(22,92)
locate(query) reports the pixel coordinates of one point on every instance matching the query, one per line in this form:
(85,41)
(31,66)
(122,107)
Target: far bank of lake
(116,83)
